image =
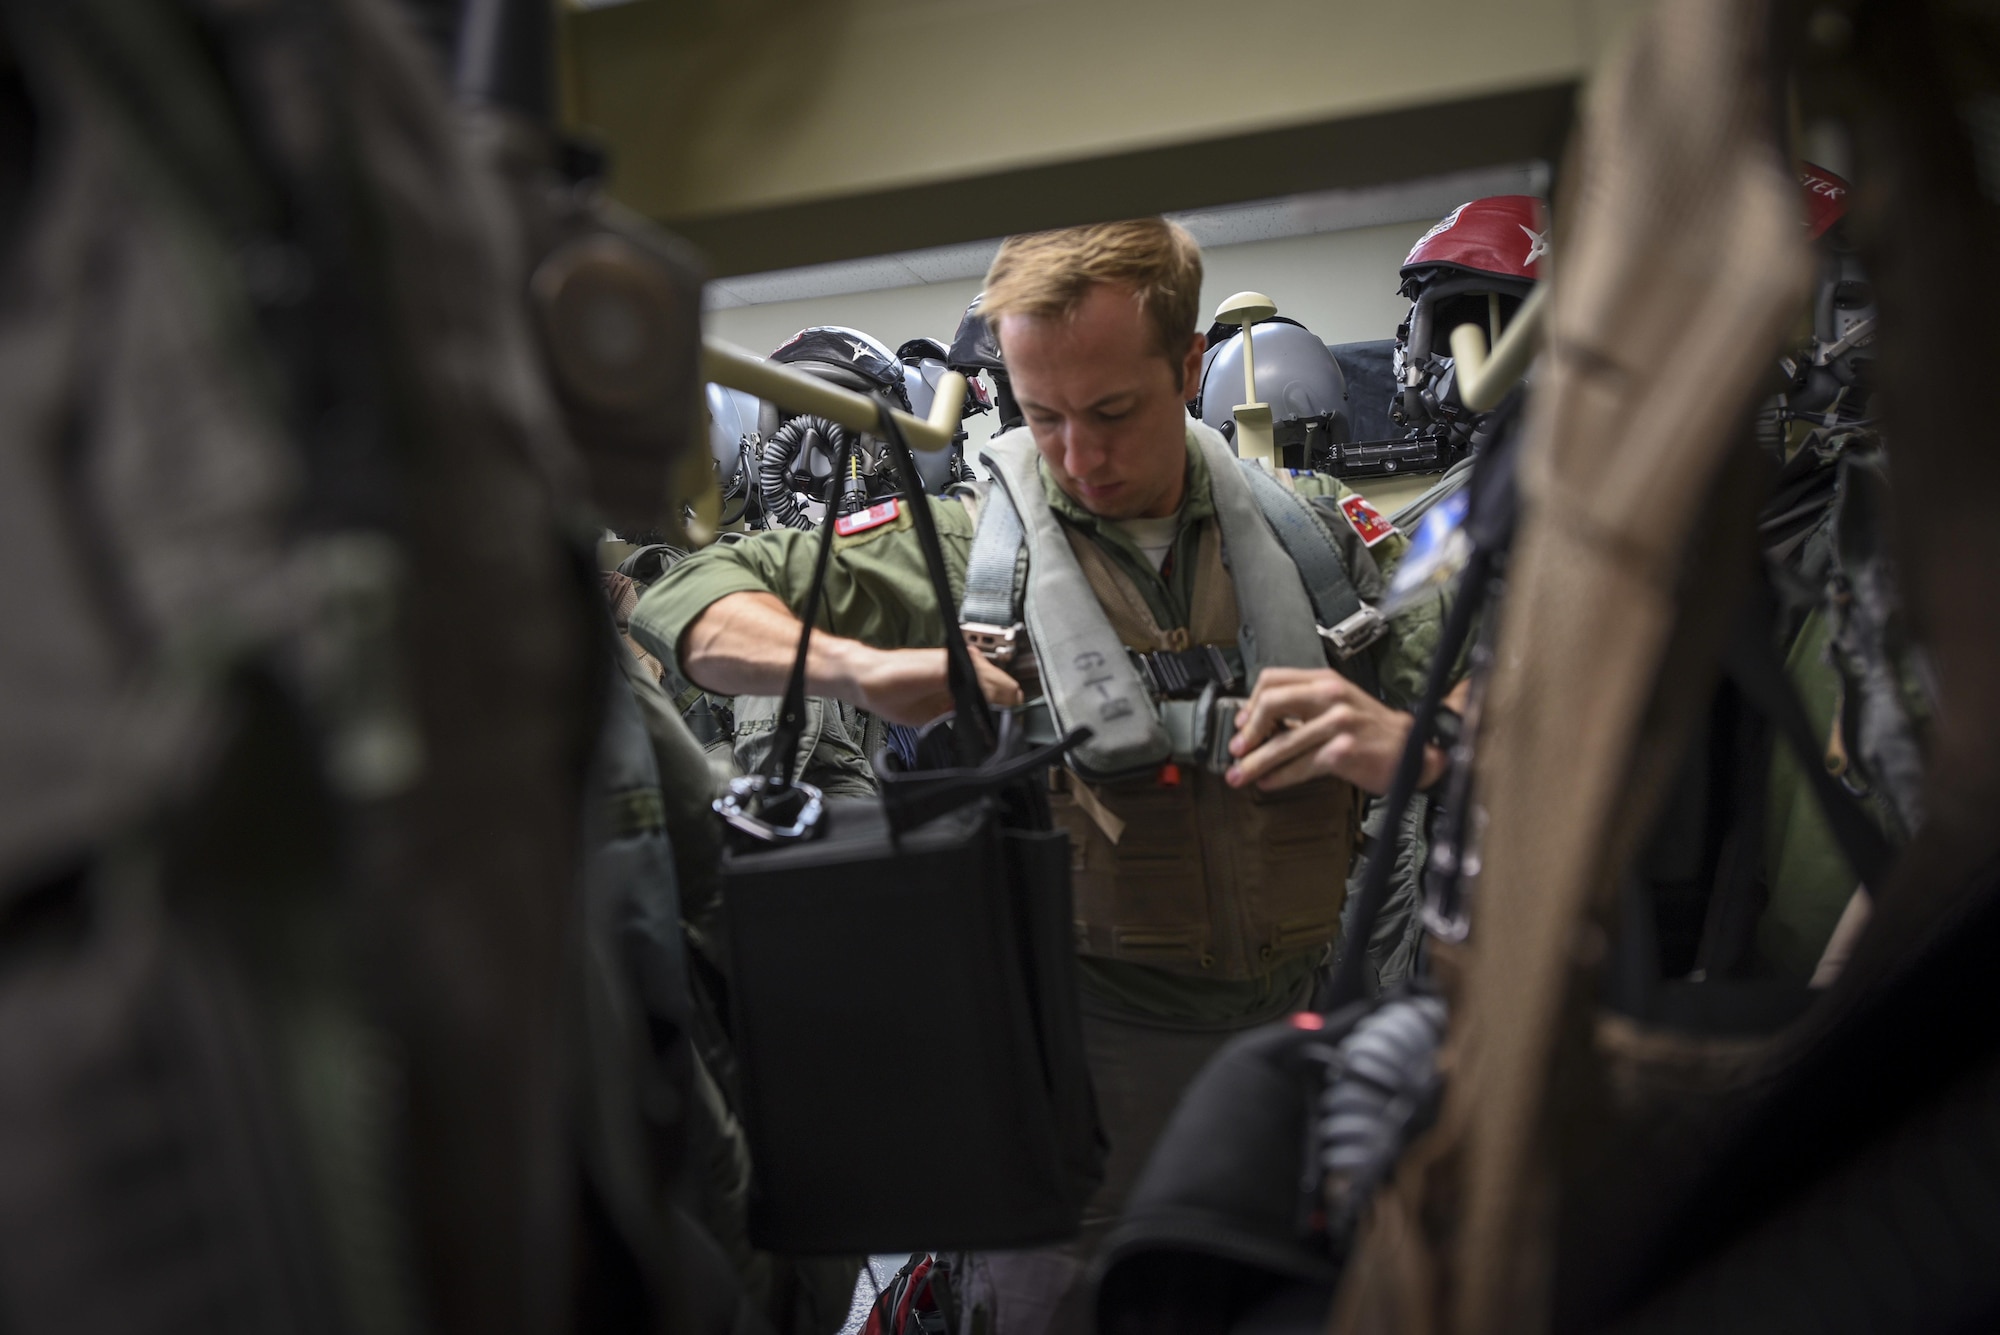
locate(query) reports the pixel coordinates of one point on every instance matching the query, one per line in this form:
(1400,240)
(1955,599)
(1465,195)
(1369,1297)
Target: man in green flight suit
(1155,590)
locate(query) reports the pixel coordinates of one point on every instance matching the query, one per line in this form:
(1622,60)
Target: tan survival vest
(1172,867)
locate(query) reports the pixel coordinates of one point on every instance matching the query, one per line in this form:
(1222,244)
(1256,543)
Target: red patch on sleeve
(873,517)
(1367,520)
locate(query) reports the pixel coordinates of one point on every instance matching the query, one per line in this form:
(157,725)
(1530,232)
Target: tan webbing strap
(1214,618)
(1093,806)
(1126,607)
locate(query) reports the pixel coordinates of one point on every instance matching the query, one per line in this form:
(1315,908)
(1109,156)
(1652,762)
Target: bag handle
(781,764)
(973,727)
(974,734)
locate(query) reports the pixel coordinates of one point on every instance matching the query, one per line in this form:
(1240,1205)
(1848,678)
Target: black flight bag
(903,982)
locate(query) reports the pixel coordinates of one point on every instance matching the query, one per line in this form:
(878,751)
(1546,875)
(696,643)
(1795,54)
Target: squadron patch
(1366,519)
(873,517)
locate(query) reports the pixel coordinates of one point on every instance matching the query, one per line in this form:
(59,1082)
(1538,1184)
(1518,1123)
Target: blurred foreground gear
(301,688)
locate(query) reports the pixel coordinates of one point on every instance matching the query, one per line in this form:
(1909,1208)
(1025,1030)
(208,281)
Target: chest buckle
(1183,674)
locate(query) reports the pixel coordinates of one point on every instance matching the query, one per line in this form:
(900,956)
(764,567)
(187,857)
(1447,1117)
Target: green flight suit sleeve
(877,589)
(1402,656)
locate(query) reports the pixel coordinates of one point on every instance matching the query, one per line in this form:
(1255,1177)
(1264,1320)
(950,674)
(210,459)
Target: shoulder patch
(873,517)
(1366,520)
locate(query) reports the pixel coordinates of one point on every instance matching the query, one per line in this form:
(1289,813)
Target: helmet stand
(1254,438)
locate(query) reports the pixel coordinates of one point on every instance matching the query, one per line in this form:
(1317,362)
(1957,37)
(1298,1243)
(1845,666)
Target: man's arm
(744,644)
(723,618)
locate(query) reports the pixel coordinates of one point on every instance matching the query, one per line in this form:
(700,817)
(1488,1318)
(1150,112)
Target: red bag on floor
(917,1301)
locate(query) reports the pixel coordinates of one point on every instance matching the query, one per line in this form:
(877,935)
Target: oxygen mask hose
(794,442)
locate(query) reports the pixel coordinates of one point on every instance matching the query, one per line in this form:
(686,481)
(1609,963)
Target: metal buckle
(1355,633)
(1183,674)
(1443,909)
(734,807)
(997,643)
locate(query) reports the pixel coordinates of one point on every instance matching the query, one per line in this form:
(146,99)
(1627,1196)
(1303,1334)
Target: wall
(1341,285)
(786,132)
(730,104)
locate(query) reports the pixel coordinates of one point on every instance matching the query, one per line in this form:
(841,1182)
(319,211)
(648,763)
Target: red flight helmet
(1478,263)
(1826,199)
(1503,235)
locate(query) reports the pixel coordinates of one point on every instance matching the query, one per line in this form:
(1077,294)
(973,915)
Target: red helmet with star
(1475,267)
(1502,235)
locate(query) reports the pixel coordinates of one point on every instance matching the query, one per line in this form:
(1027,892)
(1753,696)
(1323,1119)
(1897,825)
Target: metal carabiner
(735,808)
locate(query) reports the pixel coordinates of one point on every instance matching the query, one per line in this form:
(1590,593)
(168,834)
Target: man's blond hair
(1046,275)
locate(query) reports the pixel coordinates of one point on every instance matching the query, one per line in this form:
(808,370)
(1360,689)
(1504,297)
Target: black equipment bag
(903,985)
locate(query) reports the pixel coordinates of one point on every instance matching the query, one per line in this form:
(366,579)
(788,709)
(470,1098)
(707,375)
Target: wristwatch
(1447,726)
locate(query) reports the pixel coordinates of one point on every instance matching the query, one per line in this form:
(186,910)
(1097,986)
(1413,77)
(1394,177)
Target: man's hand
(1308,723)
(909,685)
(744,643)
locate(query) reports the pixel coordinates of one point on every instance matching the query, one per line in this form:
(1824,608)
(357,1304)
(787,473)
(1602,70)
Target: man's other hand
(1309,723)
(909,685)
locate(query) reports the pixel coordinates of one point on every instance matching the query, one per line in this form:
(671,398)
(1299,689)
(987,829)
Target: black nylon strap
(974,728)
(1759,673)
(780,765)
(1349,982)
(974,734)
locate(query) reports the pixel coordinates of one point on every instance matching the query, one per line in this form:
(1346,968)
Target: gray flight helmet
(732,420)
(1296,374)
(938,468)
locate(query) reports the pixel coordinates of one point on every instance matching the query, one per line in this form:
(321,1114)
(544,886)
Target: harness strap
(992,572)
(1345,621)
(1214,616)
(1306,542)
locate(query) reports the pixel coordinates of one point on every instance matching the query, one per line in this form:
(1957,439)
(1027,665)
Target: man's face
(1107,410)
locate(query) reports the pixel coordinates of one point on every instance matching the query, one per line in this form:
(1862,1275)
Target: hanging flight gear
(303,1011)
(1243,1216)
(1296,374)
(924,365)
(975,348)
(933,921)
(796,480)
(798,461)
(734,439)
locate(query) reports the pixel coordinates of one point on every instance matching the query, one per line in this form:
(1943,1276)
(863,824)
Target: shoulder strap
(1087,675)
(993,571)
(1348,624)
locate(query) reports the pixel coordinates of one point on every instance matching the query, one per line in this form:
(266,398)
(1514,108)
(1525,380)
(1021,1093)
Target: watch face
(1446,725)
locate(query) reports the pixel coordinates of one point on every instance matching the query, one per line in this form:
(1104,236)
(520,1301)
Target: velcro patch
(873,517)
(1366,519)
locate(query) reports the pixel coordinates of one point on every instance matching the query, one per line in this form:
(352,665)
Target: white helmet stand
(1254,438)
